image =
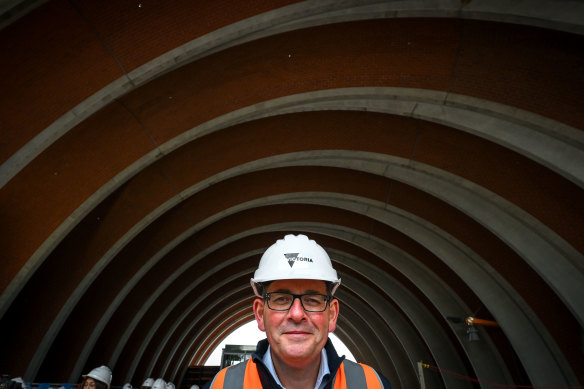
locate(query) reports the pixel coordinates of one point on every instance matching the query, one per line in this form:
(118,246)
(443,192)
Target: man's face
(296,336)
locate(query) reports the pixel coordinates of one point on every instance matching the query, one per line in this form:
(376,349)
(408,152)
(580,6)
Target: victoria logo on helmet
(293,257)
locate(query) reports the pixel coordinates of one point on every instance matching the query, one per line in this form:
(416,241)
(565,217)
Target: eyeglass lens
(89,384)
(310,302)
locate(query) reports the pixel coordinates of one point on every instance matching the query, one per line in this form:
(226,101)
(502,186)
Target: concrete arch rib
(523,329)
(531,239)
(182,355)
(181,367)
(563,15)
(517,326)
(127,333)
(186,343)
(209,346)
(350,336)
(400,341)
(210,221)
(527,336)
(554,145)
(489,368)
(558,147)
(390,358)
(154,328)
(558,263)
(224,264)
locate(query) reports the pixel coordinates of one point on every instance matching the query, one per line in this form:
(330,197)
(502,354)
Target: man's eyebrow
(310,291)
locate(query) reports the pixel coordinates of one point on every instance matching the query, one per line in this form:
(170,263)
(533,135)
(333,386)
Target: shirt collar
(322,371)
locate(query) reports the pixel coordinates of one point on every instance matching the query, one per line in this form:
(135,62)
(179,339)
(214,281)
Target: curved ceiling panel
(435,151)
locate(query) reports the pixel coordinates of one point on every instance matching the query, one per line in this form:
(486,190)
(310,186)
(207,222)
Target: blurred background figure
(19,380)
(127,385)
(159,384)
(98,378)
(170,385)
(148,383)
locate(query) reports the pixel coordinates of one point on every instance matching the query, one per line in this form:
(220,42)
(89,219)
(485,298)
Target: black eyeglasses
(311,302)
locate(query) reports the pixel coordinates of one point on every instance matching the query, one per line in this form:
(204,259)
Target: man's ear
(334,314)
(258,311)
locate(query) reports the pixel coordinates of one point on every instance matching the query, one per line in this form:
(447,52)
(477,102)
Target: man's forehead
(298,286)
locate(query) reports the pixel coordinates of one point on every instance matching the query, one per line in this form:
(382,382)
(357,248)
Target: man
(295,283)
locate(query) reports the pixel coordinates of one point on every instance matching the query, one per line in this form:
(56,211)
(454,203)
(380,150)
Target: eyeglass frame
(327,298)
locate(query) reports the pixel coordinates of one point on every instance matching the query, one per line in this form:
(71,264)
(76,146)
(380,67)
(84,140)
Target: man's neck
(293,377)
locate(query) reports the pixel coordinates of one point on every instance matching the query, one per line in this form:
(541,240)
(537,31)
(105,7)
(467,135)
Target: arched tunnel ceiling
(151,151)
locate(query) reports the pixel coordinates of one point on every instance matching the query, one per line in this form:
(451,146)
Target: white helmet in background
(195,387)
(102,374)
(127,385)
(148,383)
(294,258)
(20,381)
(170,385)
(159,384)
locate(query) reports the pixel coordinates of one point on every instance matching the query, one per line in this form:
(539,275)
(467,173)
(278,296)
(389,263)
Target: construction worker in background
(159,384)
(20,381)
(148,382)
(170,385)
(296,308)
(98,378)
(14,383)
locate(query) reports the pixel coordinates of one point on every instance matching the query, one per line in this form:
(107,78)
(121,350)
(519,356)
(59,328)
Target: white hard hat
(294,258)
(127,386)
(170,385)
(20,381)
(159,384)
(195,387)
(102,374)
(148,382)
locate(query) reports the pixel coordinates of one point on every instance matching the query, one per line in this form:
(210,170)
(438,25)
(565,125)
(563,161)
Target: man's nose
(296,310)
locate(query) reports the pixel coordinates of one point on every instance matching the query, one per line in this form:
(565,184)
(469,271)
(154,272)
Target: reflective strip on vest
(350,375)
(356,375)
(240,376)
(373,380)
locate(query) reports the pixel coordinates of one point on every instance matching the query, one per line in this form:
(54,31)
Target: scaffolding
(233,354)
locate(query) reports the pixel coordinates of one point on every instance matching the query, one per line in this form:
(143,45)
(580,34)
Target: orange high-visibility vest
(350,375)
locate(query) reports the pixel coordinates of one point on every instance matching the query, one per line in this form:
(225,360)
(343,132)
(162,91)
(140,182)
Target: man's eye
(312,300)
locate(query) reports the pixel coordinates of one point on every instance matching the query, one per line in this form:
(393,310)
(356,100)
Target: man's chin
(298,357)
